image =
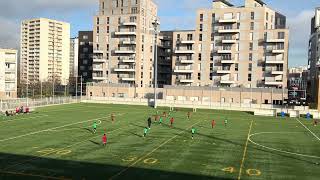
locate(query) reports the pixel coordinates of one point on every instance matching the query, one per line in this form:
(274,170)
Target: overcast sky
(174,14)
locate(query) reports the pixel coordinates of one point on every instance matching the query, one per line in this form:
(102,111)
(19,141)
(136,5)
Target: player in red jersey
(104,140)
(213,124)
(171,122)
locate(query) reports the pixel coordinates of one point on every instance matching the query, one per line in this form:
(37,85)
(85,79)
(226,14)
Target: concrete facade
(74,55)
(85,55)
(231,46)
(268,96)
(314,55)
(8,73)
(45,51)
(123,42)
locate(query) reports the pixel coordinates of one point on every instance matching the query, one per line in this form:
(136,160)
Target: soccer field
(57,143)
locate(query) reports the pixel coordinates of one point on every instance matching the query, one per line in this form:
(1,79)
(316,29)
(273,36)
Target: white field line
(45,130)
(279,150)
(46,154)
(70,129)
(151,152)
(308,130)
(26,118)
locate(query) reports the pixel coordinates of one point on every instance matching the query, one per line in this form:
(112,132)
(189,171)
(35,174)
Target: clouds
(299,26)
(14,11)
(174,14)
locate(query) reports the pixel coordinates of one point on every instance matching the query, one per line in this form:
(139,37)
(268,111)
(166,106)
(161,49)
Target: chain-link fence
(12,104)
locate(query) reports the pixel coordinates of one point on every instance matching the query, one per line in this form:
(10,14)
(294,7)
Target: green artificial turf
(57,143)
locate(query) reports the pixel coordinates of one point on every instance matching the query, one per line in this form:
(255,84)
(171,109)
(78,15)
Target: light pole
(156,25)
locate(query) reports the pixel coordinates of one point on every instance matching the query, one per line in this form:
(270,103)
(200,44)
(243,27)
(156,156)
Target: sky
(174,14)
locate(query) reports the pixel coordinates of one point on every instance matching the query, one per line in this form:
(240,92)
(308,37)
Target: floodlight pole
(156,24)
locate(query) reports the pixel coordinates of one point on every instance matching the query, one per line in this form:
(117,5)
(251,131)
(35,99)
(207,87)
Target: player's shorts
(104,142)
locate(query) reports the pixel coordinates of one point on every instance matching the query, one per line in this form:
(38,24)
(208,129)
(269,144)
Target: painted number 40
(250,172)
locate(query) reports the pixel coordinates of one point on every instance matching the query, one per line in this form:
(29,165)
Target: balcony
(129,24)
(97,52)
(186,80)
(228,61)
(13,70)
(181,69)
(10,79)
(228,20)
(184,51)
(99,78)
(186,61)
(224,51)
(229,31)
(97,68)
(125,69)
(223,71)
(273,81)
(227,81)
(275,40)
(277,51)
(125,33)
(97,59)
(125,51)
(277,72)
(274,61)
(130,79)
(127,60)
(229,41)
(128,42)
(188,41)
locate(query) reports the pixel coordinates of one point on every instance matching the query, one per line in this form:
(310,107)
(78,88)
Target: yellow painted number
(229,169)
(150,161)
(253,172)
(130,159)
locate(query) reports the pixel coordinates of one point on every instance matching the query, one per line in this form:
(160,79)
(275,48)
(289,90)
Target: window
(108,20)
(84,37)
(213,18)
(108,29)
(252,15)
(199,76)
(250,67)
(251,46)
(211,66)
(178,36)
(200,37)
(249,77)
(236,67)
(199,58)
(201,27)
(98,20)
(252,26)
(251,36)
(201,17)
(266,26)
(189,37)
(250,56)
(280,35)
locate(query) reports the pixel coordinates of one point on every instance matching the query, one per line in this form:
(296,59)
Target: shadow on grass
(47,168)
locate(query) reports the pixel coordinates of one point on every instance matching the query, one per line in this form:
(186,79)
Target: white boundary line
(308,129)
(278,150)
(17,119)
(45,130)
(70,129)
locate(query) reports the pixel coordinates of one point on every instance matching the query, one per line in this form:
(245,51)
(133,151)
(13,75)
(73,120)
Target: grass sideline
(57,143)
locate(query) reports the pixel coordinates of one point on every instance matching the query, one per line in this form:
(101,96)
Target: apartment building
(232,46)
(45,51)
(86,55)
(123,42)
(165,52)
(8,73)
(74,55)
(314,55)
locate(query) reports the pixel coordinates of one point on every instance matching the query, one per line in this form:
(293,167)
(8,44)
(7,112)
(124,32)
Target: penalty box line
(309,130)
(151,152)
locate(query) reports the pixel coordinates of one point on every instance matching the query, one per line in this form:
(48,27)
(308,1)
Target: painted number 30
(250,172)
(146,161)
